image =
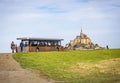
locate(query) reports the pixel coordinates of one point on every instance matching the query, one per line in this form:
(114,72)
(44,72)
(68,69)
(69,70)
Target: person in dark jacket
(107,47)
(57,48)
(21,46)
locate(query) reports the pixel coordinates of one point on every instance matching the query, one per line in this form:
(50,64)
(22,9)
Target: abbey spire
(81,30)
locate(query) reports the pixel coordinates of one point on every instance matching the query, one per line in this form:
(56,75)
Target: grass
(86,66)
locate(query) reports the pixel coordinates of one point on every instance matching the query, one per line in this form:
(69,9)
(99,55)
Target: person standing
(16,48)
(107,47)
(12,46)
(21,46)
(57,48)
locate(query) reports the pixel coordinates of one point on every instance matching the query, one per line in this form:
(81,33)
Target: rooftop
(31,38)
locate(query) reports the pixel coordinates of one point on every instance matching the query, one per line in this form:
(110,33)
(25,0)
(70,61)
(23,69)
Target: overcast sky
(99,19)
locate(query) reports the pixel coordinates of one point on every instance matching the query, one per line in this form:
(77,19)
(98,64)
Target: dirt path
(11,72)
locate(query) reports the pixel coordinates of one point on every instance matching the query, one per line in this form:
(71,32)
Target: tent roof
(44,39)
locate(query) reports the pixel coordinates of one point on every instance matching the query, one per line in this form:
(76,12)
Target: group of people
(15,48)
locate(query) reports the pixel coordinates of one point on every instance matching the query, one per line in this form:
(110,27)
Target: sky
(99,19)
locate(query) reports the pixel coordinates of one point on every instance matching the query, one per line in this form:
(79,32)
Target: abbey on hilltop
(82,42)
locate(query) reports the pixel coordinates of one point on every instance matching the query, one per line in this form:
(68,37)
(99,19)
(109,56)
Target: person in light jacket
(12,47)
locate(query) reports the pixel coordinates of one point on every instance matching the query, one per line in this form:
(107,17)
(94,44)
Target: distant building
(82,42)
(41,44)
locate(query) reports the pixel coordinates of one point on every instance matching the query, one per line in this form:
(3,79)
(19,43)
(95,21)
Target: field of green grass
(85,66)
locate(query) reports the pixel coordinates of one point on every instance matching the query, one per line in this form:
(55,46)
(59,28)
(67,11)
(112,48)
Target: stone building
(81,42)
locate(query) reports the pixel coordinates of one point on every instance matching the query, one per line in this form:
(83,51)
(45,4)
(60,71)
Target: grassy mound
(86,66)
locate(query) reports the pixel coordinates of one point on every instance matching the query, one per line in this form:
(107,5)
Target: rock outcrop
(82,42)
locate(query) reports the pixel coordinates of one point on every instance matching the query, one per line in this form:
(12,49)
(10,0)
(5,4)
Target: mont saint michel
(82,42)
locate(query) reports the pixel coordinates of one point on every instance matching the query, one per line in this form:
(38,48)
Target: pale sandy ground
(12,72)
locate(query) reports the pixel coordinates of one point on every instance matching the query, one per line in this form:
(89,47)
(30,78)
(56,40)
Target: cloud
(29,16)
(61,19)
(51,9)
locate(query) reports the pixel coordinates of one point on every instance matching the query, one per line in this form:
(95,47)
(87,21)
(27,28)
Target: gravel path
(11,72)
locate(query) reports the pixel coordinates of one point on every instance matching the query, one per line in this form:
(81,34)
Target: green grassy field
(86,66)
